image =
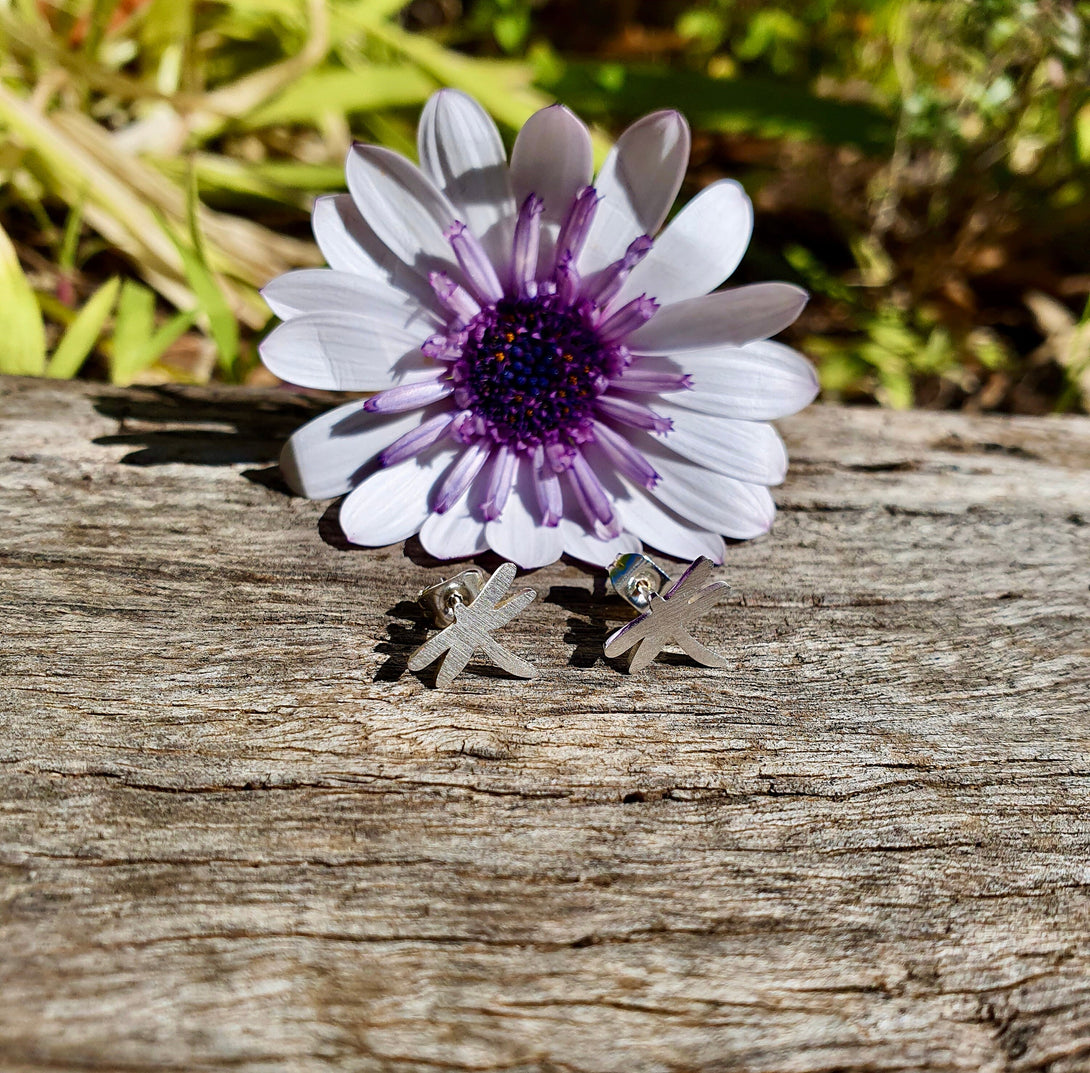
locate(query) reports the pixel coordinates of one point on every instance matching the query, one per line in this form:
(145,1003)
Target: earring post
(440,599)
(635,579)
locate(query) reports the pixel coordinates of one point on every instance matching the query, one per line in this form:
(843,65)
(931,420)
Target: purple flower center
(531,370)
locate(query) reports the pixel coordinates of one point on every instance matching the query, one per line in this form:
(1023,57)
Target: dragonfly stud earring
(469,609)
(667,611)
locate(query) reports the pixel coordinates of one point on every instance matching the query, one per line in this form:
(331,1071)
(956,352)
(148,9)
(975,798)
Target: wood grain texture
(236,833)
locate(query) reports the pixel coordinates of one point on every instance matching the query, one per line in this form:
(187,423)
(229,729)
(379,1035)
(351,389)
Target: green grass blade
(66,257)
(284,182)
(22,346)
(100,13)
(380,9)
(211,300)
(502,87)
(165,335)
(764,107)
(84,332)
(133,327)
(343,93)
(137,344)
(222,325)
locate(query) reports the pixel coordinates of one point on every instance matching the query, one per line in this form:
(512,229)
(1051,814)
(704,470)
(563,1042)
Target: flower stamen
(576,227)
(474,262)
(454,297)
(419,439)
(625,457)
(633,413)
(396,400)
(650,381)
(550,499)
(525,247)
(628,318)
(461,476)
(500,482)
(603,289)
(531,369)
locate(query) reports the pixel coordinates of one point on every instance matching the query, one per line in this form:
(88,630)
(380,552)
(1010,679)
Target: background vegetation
(922,167)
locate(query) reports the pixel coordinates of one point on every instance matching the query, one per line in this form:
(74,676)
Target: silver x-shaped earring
(470,608)
(667,613)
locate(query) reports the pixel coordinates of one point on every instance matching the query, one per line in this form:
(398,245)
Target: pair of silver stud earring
(467,608)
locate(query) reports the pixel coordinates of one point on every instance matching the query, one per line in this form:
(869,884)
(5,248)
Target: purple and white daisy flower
(548,378)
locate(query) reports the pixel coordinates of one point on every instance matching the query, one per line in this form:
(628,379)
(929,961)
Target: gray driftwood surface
(236,833)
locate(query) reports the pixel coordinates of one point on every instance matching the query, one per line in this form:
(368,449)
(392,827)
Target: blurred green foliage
(164,141)
(927,174)
(975,121)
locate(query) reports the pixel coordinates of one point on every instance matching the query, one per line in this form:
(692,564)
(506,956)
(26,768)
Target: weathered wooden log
(236,833)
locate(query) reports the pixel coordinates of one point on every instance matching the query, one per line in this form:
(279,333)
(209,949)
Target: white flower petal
(585,546)
(345,239)
(654,524)
(580,541)
(758,382)
(393,503)
(708,499)
(462,153)
(344,352)
(453,535)
(637,184)
(552,158)
(349,245)
(644,517)
(324,290)
(747,450)
(459,532)
(326,457)
(403,207)
(699,249)
(518,534)
(727,318)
